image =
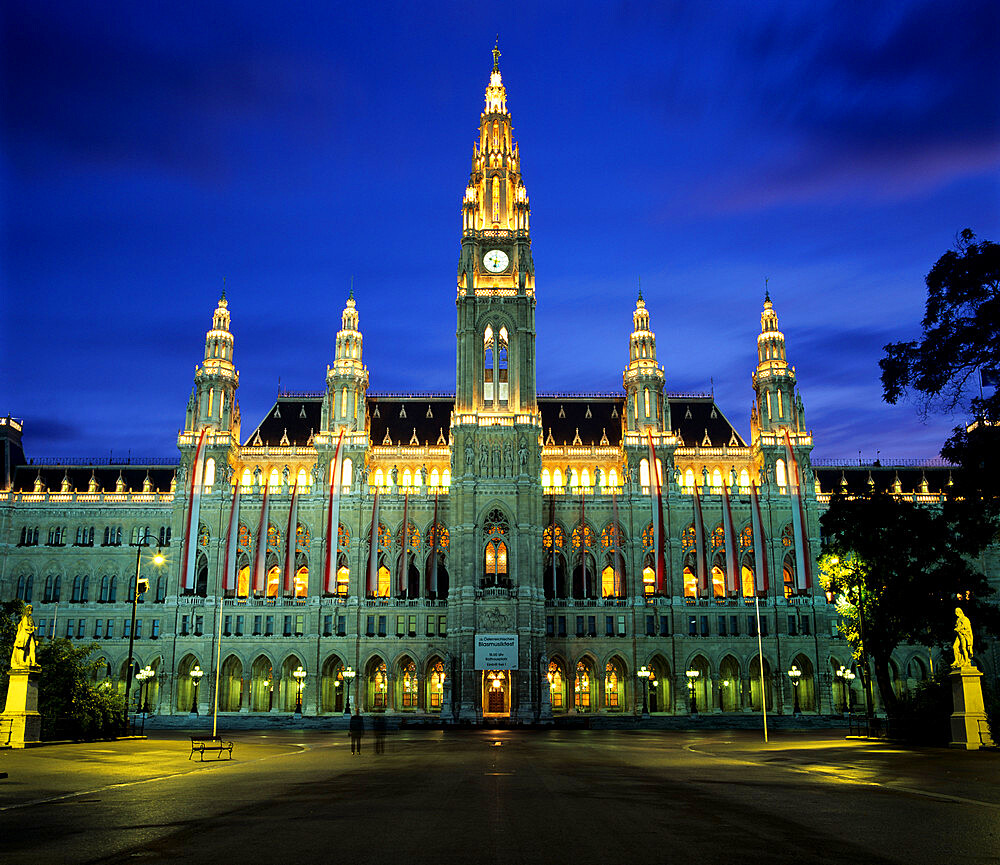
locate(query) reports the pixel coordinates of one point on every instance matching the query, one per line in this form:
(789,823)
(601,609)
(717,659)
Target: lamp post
(137,589)
(794,673)
(349,675)
(846,676)
(300,677)
(195,675)
(692,676)
(725,690)
(143,676)
(644,674)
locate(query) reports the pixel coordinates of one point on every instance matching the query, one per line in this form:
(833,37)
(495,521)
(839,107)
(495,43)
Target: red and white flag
(435,530)
(656,499)
(402,572)
(759,548)
(372,585)
(618,546)
(194,511)
(699,545)
(292,540)
(732,561)
(333,519)
(260,550)
(232,538)
(803,565)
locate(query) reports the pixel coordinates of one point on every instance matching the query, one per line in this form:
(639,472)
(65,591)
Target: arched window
(274,481)
(546,478)
(582,687)
(613,478)
(744,478)
(347,472)
(246,480)
(496,528)
(446,478)
(780,473)
(644,472)
(417,478)
(496,198)
(302,479)
(410,687)
(614,686)
(585,478)
(488,348)
(343,402)
(645,400)
(574,478)
(407,478)
(113,590)
(209,472)
(716,478)
(502,383)
(557,478)
(435,478)
(689,478)
(379,478)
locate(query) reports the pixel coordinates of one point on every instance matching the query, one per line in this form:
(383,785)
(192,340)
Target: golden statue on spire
(496,54)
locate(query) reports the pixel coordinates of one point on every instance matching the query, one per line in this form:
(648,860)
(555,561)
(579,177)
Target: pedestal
(968,722)
(22,708)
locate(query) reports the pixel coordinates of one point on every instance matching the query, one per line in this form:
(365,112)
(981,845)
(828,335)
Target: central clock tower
(495,500)
(496,360)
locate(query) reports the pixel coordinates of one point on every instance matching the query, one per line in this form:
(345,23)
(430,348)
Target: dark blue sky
(152,149)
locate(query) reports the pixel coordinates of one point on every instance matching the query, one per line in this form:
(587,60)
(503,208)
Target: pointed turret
(643,378)
(213,402)
(347,379)
(776,406)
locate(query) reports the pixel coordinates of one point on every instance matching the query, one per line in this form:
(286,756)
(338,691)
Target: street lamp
(349,675)
(644,674)
(195,675)
(138,588)
(143,676)
(300,677)
(692,676)
(794,673)
(722,694)
(847,677)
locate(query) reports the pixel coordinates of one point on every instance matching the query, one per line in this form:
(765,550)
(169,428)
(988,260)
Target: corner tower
(213,400)
(645,408)
(777,406)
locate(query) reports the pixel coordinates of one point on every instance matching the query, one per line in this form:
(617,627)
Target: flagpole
(760,661)
(218,660)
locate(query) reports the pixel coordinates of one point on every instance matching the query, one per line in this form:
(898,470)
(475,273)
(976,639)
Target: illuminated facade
(494,515)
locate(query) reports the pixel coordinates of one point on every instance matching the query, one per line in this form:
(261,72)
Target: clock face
(496,261)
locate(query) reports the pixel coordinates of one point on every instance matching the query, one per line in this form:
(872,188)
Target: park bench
(201,744)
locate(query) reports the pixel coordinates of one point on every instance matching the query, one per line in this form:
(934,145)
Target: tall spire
(496,55)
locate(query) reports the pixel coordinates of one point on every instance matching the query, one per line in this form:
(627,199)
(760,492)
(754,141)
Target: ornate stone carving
(23,655)
(494,620)
(963,640)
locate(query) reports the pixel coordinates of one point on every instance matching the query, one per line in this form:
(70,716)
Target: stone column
(22,708)
(969,729)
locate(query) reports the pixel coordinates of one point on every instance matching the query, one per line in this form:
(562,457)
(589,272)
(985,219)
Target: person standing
(357,731)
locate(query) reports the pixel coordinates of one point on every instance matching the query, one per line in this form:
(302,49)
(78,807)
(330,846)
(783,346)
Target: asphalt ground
(502,797)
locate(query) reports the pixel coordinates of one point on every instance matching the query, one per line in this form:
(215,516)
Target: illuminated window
(246,480)
(788,572)
(274,481)
(343,580)
(410,686)
(716,478)
(546,478)
(555,532)
(582,688)
(574,478)
(718,582)
(435,688)
(609,583)
(209,472)
(380,687)
(502,382)
(383,582)
(302,479)
(749,587)
(585,478)
(273,581)
(417,478)
(689,478)
(644,472)
(780,474)
(301,582)
(446,478)
(645,400)
(343,402)
(557,478)
(407,478)
(347,472)
(496,198)
(744,478)
(379,478)
(243,582)
(555,677)
(435,478)
(613,478)
(613,697)
(648,580)
(488,365)
(690,583)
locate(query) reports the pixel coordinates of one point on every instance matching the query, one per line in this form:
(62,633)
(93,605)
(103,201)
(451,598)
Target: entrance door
(496,690)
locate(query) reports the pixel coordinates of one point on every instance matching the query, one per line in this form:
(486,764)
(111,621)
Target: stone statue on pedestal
(963,640)
(23,656)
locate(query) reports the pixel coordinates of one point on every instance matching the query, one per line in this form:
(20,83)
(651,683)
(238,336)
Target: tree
(961,335)
(69,697)
(895,569)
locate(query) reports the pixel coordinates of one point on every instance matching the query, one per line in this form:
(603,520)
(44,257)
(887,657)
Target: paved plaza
(502,797)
